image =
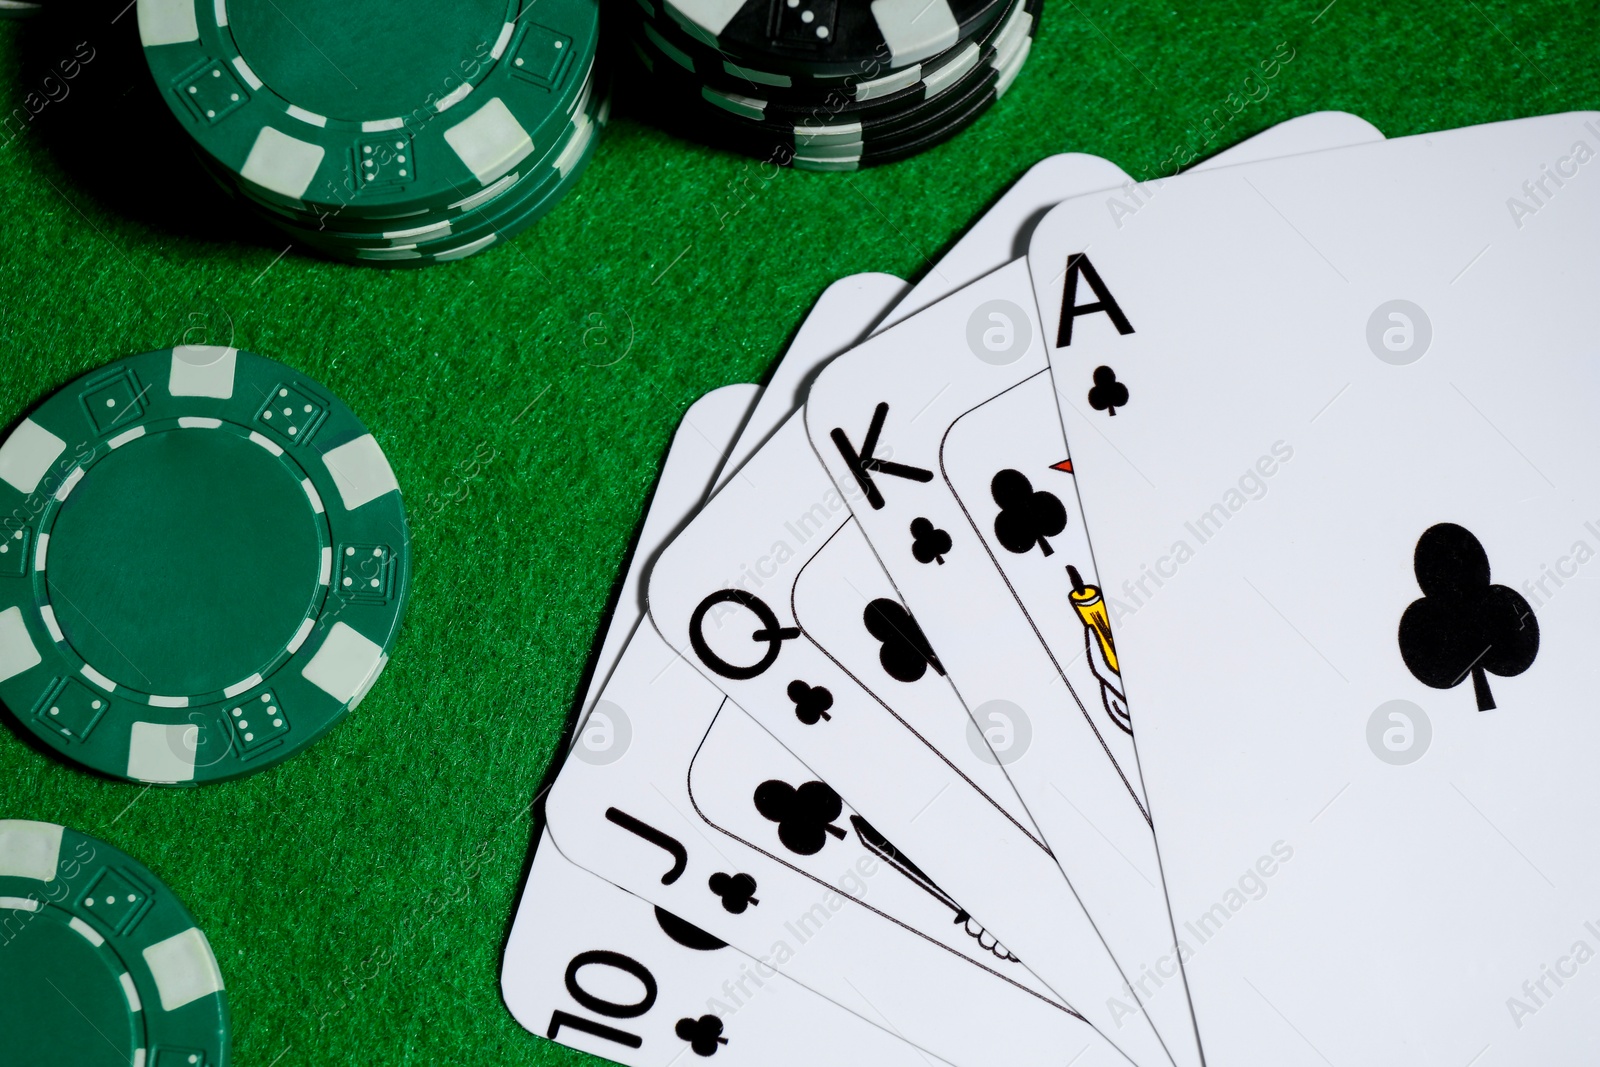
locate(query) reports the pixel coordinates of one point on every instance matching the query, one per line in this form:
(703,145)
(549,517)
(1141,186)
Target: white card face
(633,822)
(868,950)
(605,972)
(759,793)
(867,637)
(1006,463)
(1360,684)
(576,937)
(1081,785)
(895,396)
(742,569)
(1002,234)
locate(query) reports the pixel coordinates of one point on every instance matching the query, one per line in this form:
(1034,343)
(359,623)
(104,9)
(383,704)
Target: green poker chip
(204,562)
(370,107)
(100,965)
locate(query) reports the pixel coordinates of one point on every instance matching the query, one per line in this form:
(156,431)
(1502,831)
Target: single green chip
(204,561)
(100,965)
(370,107)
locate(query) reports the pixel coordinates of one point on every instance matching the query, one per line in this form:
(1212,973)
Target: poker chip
(487,221)
(754,103)
(204,563)
(368,118)
(103,965)
(811,39)
(840,131)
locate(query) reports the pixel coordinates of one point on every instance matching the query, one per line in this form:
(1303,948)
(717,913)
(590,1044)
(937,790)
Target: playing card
(605,972)
(575,936)
(867,955)
(1081,787)
(863,937)
(1334,452)
(757,793)
(716,436)
(776,806)
(718,590)
(562,905)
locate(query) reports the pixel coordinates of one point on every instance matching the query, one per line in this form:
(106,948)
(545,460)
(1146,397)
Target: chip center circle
(184,562)
(365,59)
(95,1028)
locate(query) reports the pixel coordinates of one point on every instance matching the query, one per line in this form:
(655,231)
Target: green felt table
(359,896)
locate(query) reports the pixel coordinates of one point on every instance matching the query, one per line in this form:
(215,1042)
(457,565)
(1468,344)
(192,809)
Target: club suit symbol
(738,891)
(906,654)
(811,702)
(929,544)
(1026,516)
(1108,394)
(703,1034)
(804,815)
(1464,625)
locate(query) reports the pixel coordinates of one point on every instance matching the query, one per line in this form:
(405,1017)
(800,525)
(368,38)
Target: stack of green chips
(400,132)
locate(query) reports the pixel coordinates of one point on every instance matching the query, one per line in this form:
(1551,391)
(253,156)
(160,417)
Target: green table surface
(359,896)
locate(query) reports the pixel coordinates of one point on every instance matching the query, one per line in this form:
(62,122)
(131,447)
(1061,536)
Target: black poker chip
(763,73)
(806,39)
(913,87)
(843,136)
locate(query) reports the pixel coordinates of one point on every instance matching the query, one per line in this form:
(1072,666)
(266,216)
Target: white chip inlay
(490,141)
(69,483)
(87,932)
(30,850)
(159,752)
(168,702)
(123,438)
(17,652)
(310,118)
(19,904)
(202,370)
(130,991)
(27,455)
(312,495)
(300,636)
(504,39)
(360,471)
(167,22)
(184,969)
(240,687)
(454,97)
(345,664)
(194,422)
(99,679)
(283,164)
(50,623)
(266,443)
